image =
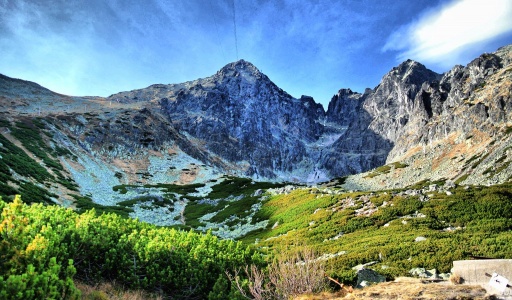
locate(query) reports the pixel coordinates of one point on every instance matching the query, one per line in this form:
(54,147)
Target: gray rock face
(374,120)
(243,117)
(344,107)
(366,277)
(392,104)
(415,108)
(131,130)
(240,122)
(454,103)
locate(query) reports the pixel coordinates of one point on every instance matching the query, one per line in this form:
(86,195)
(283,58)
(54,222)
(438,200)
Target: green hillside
(391,230)
(395,231)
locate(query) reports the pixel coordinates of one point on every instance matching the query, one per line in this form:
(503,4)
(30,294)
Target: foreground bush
(42,248)
(286,277)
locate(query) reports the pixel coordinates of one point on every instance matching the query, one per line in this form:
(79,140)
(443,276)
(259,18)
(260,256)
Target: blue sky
(308,47)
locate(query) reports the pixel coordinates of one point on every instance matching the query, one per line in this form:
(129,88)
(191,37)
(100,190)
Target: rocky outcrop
(373,120)
(457,128)
(366,277)
(443,106)
(391,105)
(345,107)
(240,115)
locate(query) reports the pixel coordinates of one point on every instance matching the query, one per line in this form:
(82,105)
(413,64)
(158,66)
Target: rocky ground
(409,289)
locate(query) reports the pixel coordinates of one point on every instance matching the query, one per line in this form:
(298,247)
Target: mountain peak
(240,66)
(413,72)
(408,65)
(243,63)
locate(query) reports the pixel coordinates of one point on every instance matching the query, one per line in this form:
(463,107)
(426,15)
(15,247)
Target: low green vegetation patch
(426,183)
(502,167)
(395,230)
(178,189)
(498,166)
(473,158)
(183,190)
(14,159)
(480,160)
(29,134)
(123,188)
(170,194)
(4,123)
(400,165)
(232,197)
(385,169)
(461,178)
(85,203)
(45,248)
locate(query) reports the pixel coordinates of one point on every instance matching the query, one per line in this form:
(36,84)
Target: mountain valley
(412,173)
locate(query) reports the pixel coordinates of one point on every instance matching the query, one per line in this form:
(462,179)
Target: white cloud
(441,34)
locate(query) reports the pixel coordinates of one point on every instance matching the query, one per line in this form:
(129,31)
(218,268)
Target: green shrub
(15,158)
(400,165)
(44,247)
(483,213)
(461,178)
(5,123)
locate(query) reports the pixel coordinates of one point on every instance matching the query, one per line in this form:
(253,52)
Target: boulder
(367,277)
(420,272)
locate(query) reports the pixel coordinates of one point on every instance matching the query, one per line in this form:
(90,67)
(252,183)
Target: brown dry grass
(409,289)
(456,279)
(329,296)
(289,276)
(111,291)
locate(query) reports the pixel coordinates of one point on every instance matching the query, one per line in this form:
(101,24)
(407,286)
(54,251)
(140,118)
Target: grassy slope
(36,176)
(307,218)
(221,205)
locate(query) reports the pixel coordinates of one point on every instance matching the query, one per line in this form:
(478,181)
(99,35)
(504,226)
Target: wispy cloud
(442,33)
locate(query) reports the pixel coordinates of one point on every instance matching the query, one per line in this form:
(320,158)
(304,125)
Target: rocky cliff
(450,127)
(240,115)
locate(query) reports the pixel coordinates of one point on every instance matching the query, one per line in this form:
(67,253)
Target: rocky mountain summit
(243,119)
(424,125)
(455,126)
(246,119)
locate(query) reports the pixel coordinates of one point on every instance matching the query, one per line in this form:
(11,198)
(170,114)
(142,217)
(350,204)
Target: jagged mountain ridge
(376,118)
(245,118)
(239,122)
(241,116)
(455,126)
